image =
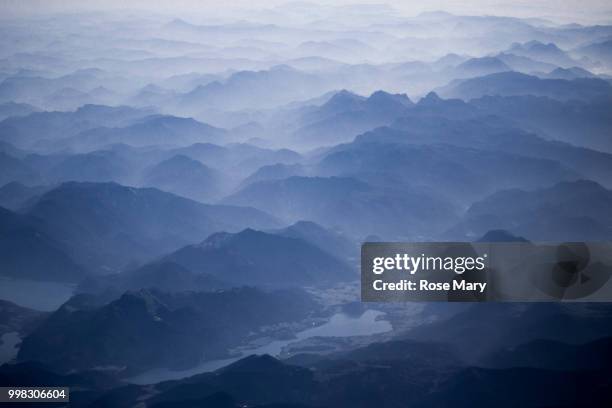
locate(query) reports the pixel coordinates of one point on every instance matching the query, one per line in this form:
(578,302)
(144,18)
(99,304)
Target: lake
(339,325)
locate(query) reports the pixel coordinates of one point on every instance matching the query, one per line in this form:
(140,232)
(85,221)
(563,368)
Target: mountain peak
(534,44)
(264,363)
(254,257)
(430,98)
(345,96)
(500,236)
(216,240)
(342,101)
(383,97)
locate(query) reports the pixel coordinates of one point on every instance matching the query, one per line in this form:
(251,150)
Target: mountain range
(109,226)
(147,329)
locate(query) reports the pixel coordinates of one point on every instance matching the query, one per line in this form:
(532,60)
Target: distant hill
(346,115)
(480,66)
(447,123)
(539,51)
(15,169)
(98,166)
(524,64)
(568,211)
(244,89)
(581,123)
(500,236)
(237,158)
(338,201)
(597,51)
(9,109)
(462,174)
(274,172)
(86,386)
(14,195)
(570,73)
(554,355)
(14,318)
(407,370)
(327,240)
(160,275)
(28,252)
(468,332)
(185,177)
(151,130)
(257,258)
(106,225)
(48,127)
(514,83)
(148,329)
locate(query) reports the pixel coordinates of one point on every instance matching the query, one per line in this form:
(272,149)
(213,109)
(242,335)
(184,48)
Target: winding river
(339,325)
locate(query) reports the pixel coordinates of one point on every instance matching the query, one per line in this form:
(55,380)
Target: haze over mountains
(187,190)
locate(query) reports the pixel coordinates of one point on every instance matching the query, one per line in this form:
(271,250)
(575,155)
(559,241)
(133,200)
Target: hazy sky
(568,10)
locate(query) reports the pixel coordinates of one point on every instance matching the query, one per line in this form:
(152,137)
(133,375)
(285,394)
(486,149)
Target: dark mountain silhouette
(40,89)
(327,240)
(432,105)
(274,172)
(554,355)
(340,102)
(9,109)
(151,130)
(28,252)
(524,64)
(106,225)
(507,139)
(460,173)
(339,201)
(255,380)
(19,319)
(244,89)
(147,329)
(581,123)
(488,133)
(14,195)
(468,332)
(398,352)
(257,258)
(239,158)
(568,211)
(500,236)
(261,380)
(185,177)
(520,386)
(14,169)
(86,387)
(346,115)
(160,275)
(26,131)
(514,83)
(99,166)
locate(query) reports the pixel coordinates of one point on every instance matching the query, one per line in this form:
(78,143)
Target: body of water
(339,325)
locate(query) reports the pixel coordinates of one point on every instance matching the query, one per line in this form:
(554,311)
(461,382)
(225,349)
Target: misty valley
(184,196)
